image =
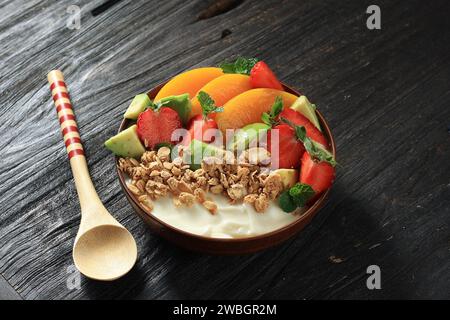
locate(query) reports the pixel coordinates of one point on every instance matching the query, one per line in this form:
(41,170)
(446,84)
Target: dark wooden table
(386,94)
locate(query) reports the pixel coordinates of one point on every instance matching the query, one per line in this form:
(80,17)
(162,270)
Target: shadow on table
(126,287)
(327,260)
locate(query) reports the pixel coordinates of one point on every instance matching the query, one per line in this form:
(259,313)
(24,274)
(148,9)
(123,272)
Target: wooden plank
(385,94)
(6,291)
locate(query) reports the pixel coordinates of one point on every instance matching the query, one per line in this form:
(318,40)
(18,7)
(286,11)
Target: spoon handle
(69,129)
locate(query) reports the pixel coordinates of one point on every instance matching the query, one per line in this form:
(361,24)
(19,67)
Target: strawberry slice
(262,77)
(300,120)
(319,175)
(155,127)
(289,147)
(197,127)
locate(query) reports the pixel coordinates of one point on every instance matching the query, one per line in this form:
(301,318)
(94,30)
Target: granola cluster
(245,179)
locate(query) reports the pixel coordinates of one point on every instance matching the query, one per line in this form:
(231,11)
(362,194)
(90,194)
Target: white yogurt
(231,220)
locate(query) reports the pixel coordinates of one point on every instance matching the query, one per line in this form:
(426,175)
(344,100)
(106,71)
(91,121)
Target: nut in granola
(237,191)
(210,206)
(261,203)
(186,199)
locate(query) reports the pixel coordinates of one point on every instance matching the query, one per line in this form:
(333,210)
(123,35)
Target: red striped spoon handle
(69,128)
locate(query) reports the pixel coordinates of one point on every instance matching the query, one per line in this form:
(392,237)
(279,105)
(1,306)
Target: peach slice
(248,107)
(188,82)
(222,89)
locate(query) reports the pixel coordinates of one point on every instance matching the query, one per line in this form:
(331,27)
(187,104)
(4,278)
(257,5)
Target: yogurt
(238,220)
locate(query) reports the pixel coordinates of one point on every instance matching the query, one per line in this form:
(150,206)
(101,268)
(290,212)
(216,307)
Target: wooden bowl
(210,245)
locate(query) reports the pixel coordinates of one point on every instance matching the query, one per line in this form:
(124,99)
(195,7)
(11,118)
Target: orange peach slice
(248,107)
(188,82)
(222,89)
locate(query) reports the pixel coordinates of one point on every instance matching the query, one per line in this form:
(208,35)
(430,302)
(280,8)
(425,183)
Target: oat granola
(247,180)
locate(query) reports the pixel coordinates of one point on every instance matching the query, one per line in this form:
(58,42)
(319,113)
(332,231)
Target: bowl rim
(305,215)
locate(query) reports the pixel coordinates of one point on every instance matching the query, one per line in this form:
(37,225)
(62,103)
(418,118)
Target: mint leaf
(205,100)
(271,118)
(207,103)
(266,119)
(295,197)
(277,107)
(244,66)
(315,149)
(301,193)
(289,122)
(153,106)
(300,133)
(241,65)
(227,67)
(286,202)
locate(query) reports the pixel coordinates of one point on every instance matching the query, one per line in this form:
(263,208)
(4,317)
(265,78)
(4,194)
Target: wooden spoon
(103,248)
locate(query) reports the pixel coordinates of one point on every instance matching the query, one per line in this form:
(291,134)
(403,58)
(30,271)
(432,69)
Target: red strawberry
(197,128)
(300,120)
(199,124)
(262,77)
(155,127)
(290,148)
(319,175)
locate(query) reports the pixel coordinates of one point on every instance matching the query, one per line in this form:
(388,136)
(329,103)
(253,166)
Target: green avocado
(138,105)
(198,150)
(126,143)
(181,104)
(247,134)
(195,154)
(307,109)
(289,177)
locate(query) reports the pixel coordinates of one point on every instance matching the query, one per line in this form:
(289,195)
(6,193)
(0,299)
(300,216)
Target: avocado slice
(126,143)
(195,154)
(198,150)
(180,103)
(248,133)
(138,105)
(308,109)
(289,177)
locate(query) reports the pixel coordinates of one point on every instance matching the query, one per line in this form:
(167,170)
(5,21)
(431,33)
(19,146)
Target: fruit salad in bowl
(225,159)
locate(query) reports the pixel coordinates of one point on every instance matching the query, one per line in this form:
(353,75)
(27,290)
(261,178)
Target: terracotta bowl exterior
(225,246)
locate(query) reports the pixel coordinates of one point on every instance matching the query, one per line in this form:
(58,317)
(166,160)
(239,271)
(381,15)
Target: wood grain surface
(385,93)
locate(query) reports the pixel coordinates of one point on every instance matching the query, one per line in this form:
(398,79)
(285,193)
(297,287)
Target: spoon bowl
(105,252)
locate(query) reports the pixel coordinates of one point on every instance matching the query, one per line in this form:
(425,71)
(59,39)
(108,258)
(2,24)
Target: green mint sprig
(154,106)
(295,197)
(315,150)
(241,65)
(208,104)
(271,118)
